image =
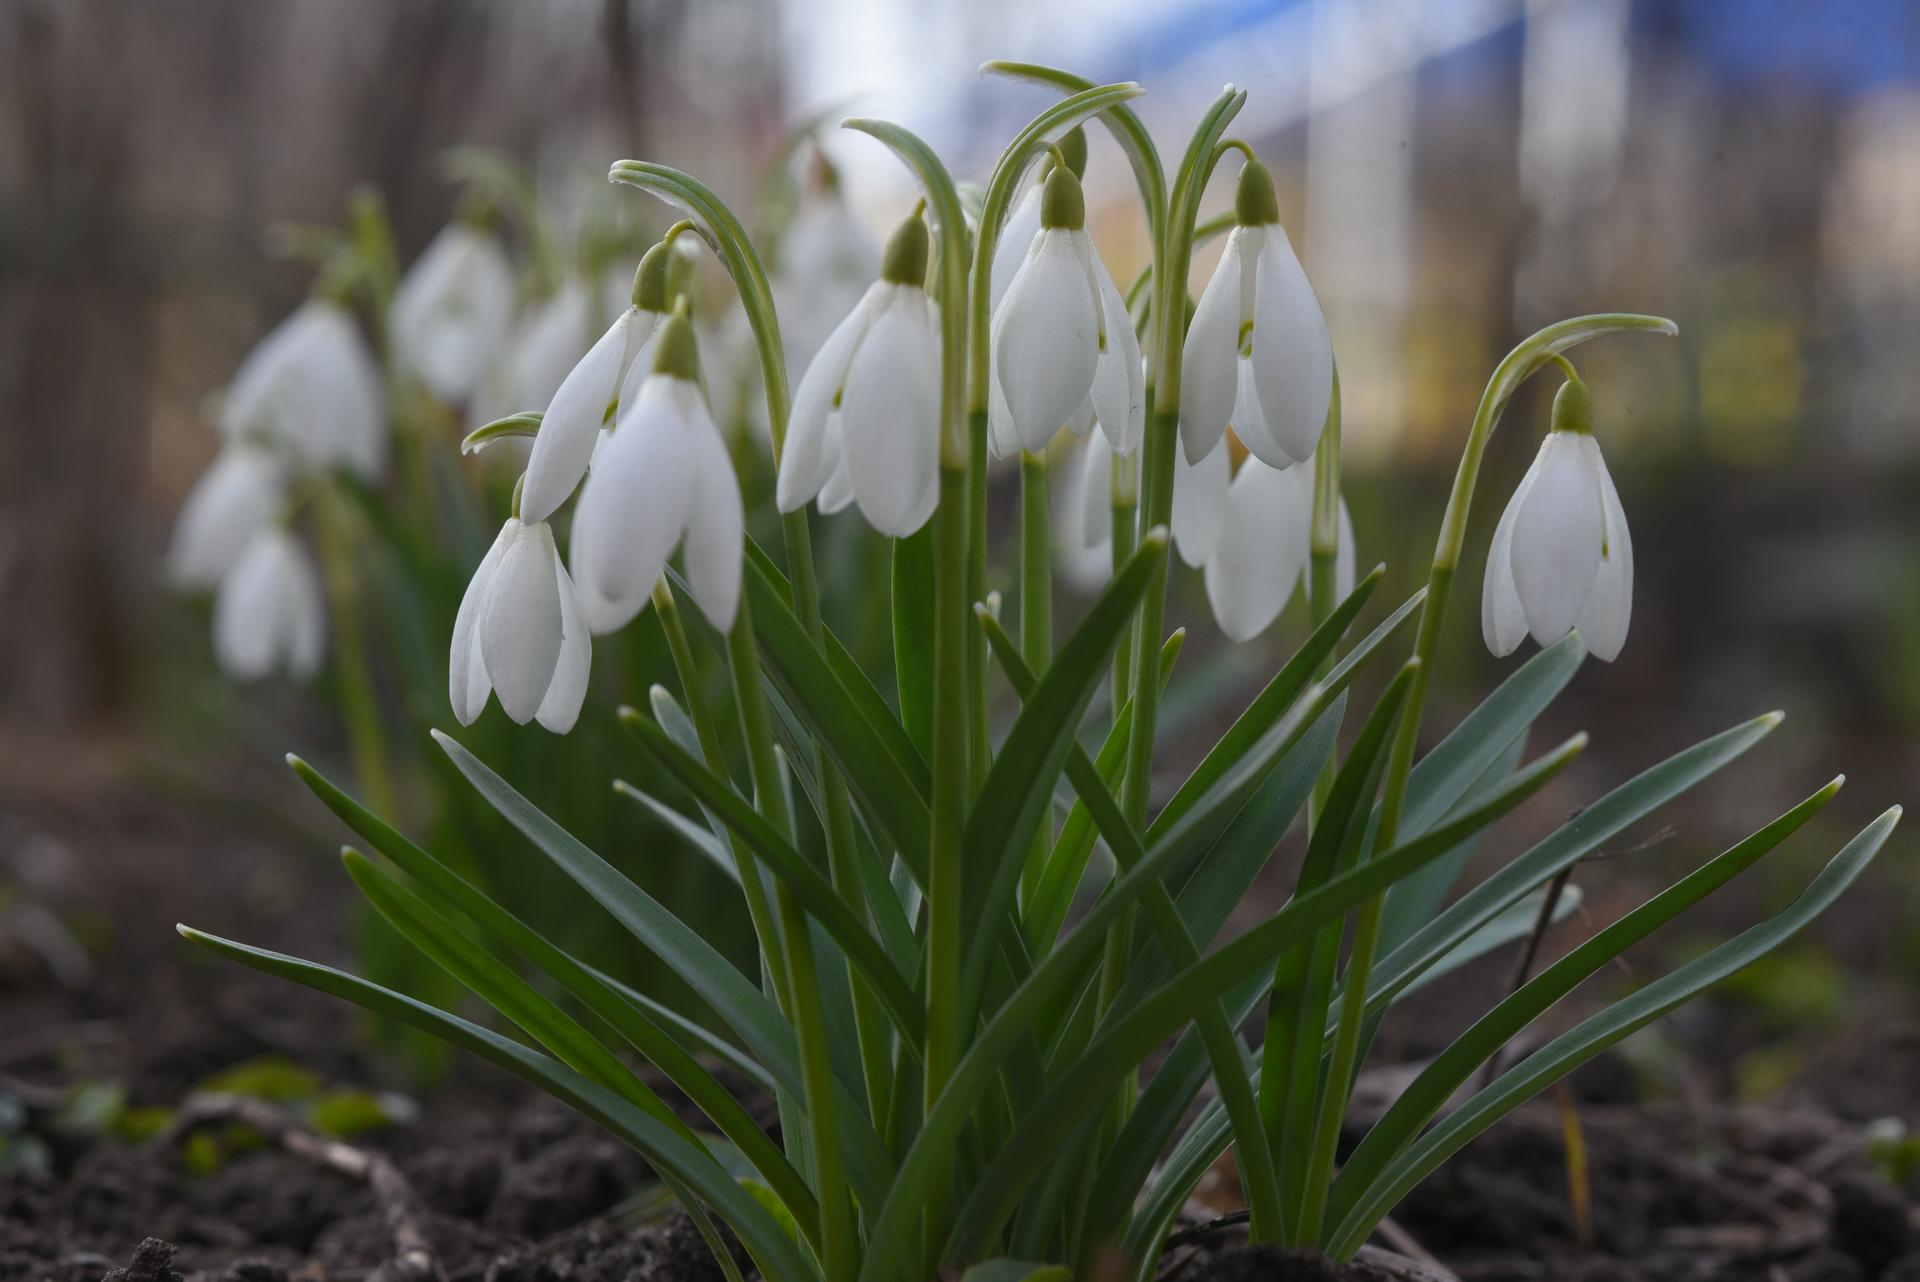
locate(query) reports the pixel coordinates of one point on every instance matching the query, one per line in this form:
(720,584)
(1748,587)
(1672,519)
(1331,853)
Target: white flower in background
(1261,554)
(234,499)
(543,348)
(1064,350)
(1200,503)
(865,423)
(1258,353)
(608,374)
(312,389)
(270,615)
(663,478)
(452,311)
(825,259)
(519,634)
(1561,558)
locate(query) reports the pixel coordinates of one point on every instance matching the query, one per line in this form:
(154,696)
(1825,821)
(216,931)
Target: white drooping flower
(866,416)
(1257,354)
(662,479)
(1063,347)
(234,499)
(1561,558)
(1023,224)
(270,615)
(1200,503)
(311,388)
(608,374)
(452,311)
(825,260)
(1083,516)
(1261,554)
(519,634)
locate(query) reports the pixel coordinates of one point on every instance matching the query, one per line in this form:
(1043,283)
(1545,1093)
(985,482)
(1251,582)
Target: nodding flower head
(311,390)
(1258,355)
(270,615)
(1261,553)
(452,311)
(519,634)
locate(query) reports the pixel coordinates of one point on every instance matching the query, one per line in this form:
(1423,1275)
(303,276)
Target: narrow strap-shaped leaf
(1019,786)
(739,1002)
(711,848)
(813,890)
(773,1250)
(1598,1032)
(1124,1042)
(1429,1092)
(1016,1271)
(635,1018)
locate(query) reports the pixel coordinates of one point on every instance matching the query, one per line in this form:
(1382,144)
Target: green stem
(946,857)
(359,705)
(1323,557)
(838,1245)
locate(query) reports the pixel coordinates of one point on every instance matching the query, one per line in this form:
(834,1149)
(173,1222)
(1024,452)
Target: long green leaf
(776,1253)
(1598,1032)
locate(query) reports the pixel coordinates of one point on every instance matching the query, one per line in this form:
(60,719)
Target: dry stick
(413,1258)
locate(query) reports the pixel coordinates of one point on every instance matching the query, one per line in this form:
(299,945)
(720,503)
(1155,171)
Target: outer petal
(1346,558)
(452,310)
(1262,549)
(467,680)
(1207,362)
(1096,492)
(1119,379)
(1603,621)
(1048,341)
(1503,622)
(1250,422)
(1003,439)
(561,707)
(889,414)
(716,529)
(231,502)
(837,494)
(640,368)
(246,612)
(520,631)
(805,464)
(564,444)
(303,614)
(1557,539)
(1199,503)
(1016,238)
(636,499)
(1292,352)
(1083,517)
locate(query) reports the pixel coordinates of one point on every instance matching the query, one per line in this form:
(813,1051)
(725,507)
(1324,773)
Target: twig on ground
(413,1258)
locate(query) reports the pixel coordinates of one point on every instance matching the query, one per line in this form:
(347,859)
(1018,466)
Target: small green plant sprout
(959,1069)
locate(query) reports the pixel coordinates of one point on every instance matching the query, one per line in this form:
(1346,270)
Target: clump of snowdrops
(957,1066)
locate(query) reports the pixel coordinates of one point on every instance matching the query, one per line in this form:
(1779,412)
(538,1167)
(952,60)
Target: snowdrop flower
(663,478)
(865,423)
(1023,224)
(312,388)
(1258,352)
(1200,503)
(570,429)
(1561,558)
(1064,350)
(270,615)
(452,310)
(519,634)
(234,499)
(1261,554)
(1083,516)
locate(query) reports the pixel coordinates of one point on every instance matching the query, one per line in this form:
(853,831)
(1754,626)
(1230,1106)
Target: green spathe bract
(955,1055)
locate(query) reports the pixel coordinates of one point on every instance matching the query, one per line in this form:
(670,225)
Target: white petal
(467,680)
(1346,557)
(245,613)
(544,349)
(1556,540)
(1292,352)
(716,538)
(231,502)
(1119,379)
(1250,423)
(452,310)
(571,425)
(1603,622)
(1208,361)
(303,617)
(837,494)
(1047,344)
(1016,238)
(1003,439)
(1503,623)
(520,627)
(804,462)
(1096,492)
(1199,503)
(1261,552)
(561,707)
(640,368)
(1083,517)
(635,502)
(890,411)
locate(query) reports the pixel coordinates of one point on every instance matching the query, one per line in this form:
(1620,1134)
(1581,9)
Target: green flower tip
(1063,206)
(1073,148)
(676,354)
(1573,407)
(905,262)
(1254,202)
(627,714)
(650,278)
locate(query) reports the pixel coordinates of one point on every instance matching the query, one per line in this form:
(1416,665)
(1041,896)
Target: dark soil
(511,1188)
